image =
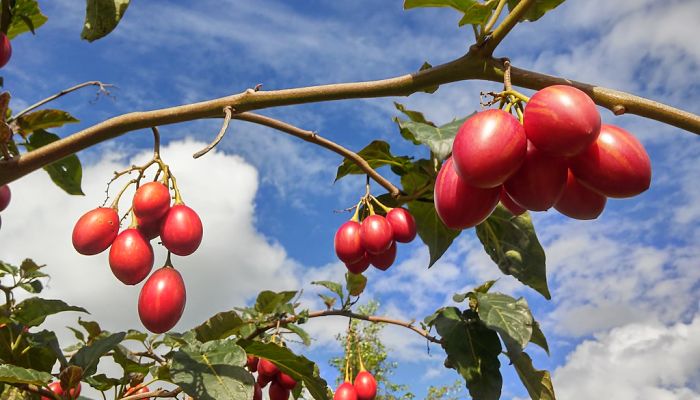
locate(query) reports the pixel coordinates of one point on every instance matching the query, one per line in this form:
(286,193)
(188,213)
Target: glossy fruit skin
(278,392)
(95,231)
(385,260)
(402,224)
(561,120)
(5,197)
(359,266)
(489,148)
(580,202)
(252,363)
(346,391)
(539,182)
(5,49)
(131,257)
(460,205)
(510,204)
(149,229)
(162,300)
(181,230)
(56,388)
(286,381)
(376,234)
(267,368)
(263,380)
(257,392)
(348,246)
(151,201)
(616,165)
(365,386)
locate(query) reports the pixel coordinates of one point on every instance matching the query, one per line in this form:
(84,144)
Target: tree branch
(102,88)
(506,26)
(155,393)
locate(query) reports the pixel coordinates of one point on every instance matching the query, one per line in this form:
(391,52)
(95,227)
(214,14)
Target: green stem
(494,17)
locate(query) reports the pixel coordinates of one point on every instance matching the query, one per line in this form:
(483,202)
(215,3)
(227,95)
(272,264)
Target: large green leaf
(129,363)
(415,116)
(43,119)
(512,244)
(212,371)
(431,230)
(479,13)
(538,383)
(334,287)
(472,349)
(269,302)
(438,139)
(538,337)
(298,367)
(66,173)
(509,317)
(89,356)
(475,12)
(101,17)
(33,311)
(220,326)
(14,374)
(536,10)
(377,154)
(102,382)
(42,350)
(26,17)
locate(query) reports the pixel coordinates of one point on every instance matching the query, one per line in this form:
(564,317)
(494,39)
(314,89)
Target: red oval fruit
(263,380)
(267,367)
(365,386)
(489,147)
(162,300)
(579,201)
(252,363)
(561,120)
(181,230)
(385,260)
(5,196)
(56,388)
(151,201)
(348,246)
(278,392)
(131,392)
(346,391)
(460,205)
(510,204)
(286,381)
(359,266)
(257,392)
(616,165)
(539,182)
(5,49)
(376,234)
(402,224)
(95,231)
(150,229)
(131,257)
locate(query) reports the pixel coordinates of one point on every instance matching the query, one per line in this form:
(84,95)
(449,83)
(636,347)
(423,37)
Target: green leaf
(512,244)
(303,335)
(89,356)
(327,300)
(473,350)
(376,154)
(268,302)
(43,351)
(102,382)
(32,287)
(10,269)
(536,10)
(133,334)
(430,89)
(29,268)
(538,337)
(538,383)
(43,119)
(483,288)
(33,311)
(212,371)
(14,374)
(66,173)
(220,326)
(91,327)
(431,230)
(129,363)
(298,367)
(334,287)
(101,17)
(479,13)
(26,17)
(509,317)
(438,139)
(474,11)
(415,116)
(355,283)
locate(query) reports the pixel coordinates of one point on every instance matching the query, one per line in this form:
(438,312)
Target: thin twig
(228,112)
(155,393)
(494,17)
(102,89)
(506,26)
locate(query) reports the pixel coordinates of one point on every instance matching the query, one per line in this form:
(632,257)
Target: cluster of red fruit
(561,156)
(364,388)
(60,391)
(5,49)
(281,384)
(373,240)
(5,197)
(162,298)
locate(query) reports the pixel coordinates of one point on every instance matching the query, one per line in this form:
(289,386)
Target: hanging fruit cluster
(5,197)
(131,258)
(281,384)
(372,240)
(364,387)
(557,154)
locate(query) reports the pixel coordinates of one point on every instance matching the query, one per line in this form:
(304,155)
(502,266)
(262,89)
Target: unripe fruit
(348,246)
(561,120)
(95,231)
(376,234)
(5,196)
(257,392)
(346,391)
(489,148)
(268,368)
(539,182)
(162,300)
(510,204)
(56,388)
(151,201)
(252,363)
(579,201)
(365,386)
(131,257)
(359,266)
(616,165)
(5,49)
(181,230)
(286,381)
(278,392)
(460,205)
(402,224)
(149,229)
(385,260)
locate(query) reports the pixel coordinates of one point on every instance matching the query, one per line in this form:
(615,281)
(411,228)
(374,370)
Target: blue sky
(623,319)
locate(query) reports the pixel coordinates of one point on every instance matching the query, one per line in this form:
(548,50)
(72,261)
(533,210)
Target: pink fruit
(286,381)
(359,266)
(95,231)
(56,388)
(375,234)
(151,201)
(346,391)
(510,204)
(384,260)
(267,368)
(5,196)
(365,386)
(402,224)
(162,300)
(131,257)
(348,246)
(5,49)
(278,392)
(181,230)
(539,182)
(579,201)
